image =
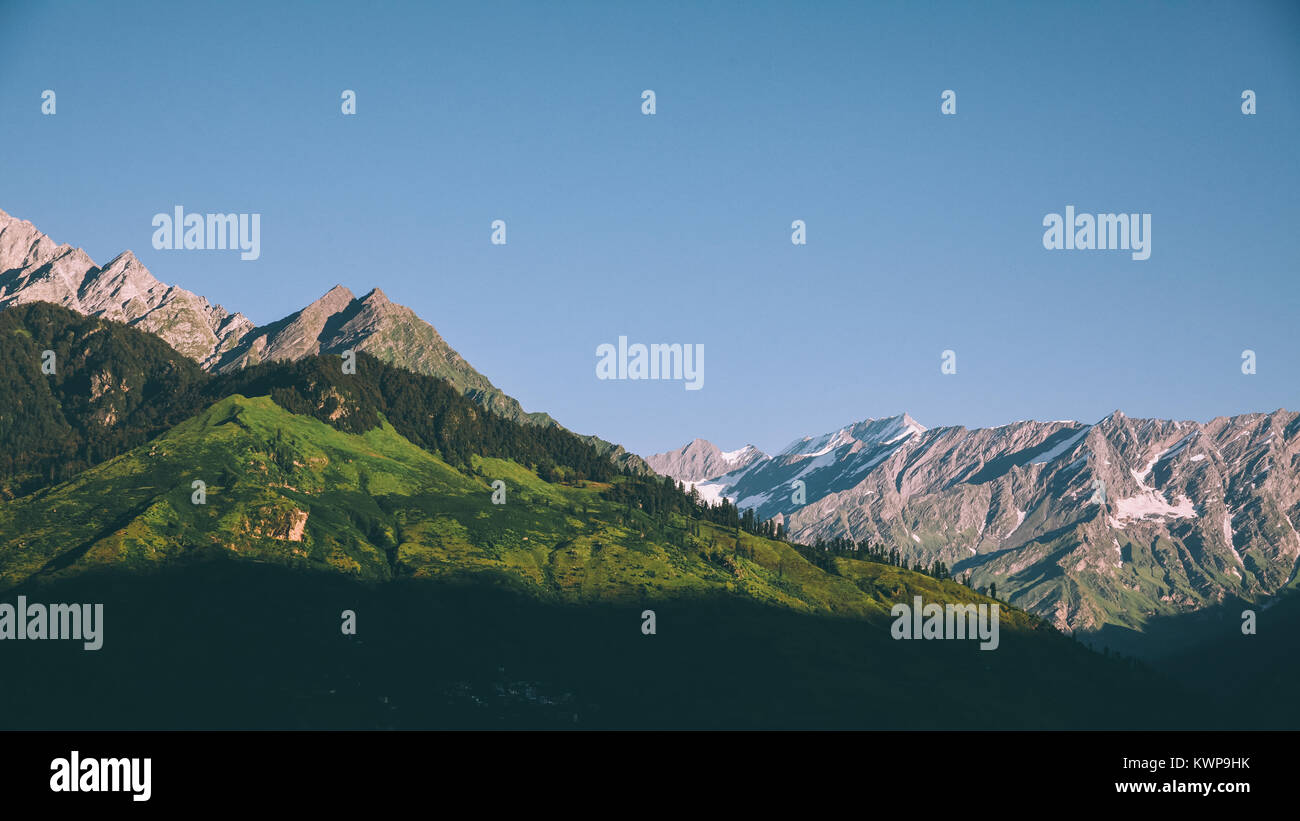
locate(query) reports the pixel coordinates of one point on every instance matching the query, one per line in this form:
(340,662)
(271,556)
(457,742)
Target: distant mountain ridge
(1114,522)
(33,268)
(753,483)
(700,460)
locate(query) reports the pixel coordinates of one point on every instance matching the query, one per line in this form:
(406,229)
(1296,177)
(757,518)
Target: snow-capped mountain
(701,460)
(825,464)
(1113,522)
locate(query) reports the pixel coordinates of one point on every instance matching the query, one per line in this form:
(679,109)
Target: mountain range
(375,492)
(1087,525)
(225,520)
(34,268)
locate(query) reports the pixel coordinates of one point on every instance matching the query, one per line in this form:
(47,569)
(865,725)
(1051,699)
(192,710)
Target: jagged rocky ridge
(701,460)
(33,268)
(1086,525)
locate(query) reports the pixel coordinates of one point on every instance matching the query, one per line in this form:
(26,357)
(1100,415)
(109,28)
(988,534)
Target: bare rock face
(393,333)
(34,269)
(24,247)
(824,464)
(700,460)
(293,337)
(1086,525)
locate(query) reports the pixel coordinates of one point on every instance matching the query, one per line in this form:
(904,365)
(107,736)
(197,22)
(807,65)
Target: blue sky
(924,231)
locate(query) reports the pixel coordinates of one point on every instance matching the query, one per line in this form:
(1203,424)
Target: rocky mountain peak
(333,301)
(23,247)
(700,459)
(376,298)
(704,446)
(34,268)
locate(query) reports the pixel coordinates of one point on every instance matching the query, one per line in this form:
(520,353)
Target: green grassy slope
(227,613)
(290,490)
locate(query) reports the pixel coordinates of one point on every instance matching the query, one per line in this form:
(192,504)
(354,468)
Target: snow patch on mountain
(710,492)
(1064,447)
(1151,504)
(732,457)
